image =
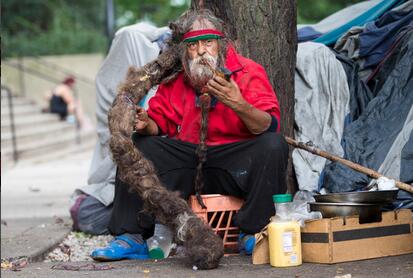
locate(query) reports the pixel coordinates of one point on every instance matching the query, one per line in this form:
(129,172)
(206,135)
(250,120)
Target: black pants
(253,170)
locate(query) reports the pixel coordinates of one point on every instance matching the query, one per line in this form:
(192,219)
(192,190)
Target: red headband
(202,35)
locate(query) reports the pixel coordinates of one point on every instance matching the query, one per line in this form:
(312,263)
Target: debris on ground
(34,189)
(15,264)
(58,220)
(84,267)
(343,276)
(77,246)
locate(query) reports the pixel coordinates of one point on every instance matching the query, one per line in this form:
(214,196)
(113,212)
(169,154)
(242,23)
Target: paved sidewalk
(234,266)
(42,189)
(32,238)
(35,204)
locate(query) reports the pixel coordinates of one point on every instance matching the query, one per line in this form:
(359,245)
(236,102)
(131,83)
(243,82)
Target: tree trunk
(265,31)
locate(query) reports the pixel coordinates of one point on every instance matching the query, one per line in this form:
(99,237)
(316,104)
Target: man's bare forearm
(257,121)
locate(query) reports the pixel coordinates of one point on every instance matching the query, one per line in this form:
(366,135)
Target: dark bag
(90,215)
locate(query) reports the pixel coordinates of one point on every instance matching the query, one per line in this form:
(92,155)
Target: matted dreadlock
(203,18)
(202,246)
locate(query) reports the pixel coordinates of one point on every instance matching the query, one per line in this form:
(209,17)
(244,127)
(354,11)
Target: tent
(354,99)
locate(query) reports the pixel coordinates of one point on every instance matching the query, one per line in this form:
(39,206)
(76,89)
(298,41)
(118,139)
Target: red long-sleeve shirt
(174,111)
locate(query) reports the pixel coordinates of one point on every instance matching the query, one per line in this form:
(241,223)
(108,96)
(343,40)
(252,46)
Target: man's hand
(144,124)
(227,92)
(141,119)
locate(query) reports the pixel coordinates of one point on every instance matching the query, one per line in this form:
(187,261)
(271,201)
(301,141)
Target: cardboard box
(261,252)
(343,239)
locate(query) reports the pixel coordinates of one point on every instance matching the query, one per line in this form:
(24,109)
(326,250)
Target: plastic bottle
(160,244)
(284,234)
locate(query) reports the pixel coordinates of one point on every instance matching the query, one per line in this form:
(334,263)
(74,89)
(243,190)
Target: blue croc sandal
(246,243)
(117,250)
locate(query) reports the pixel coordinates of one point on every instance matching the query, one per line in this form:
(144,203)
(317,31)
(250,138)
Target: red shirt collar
(231,61)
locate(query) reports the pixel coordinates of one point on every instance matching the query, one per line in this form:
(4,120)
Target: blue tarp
(307,33)
(360,94)
(310,32)
(387,118)
(331,37)
(377,59)
(379,35)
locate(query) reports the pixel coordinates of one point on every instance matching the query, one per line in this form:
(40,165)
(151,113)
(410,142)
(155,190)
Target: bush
(50,27)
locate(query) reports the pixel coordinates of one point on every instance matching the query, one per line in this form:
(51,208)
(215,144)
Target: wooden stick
(352,165)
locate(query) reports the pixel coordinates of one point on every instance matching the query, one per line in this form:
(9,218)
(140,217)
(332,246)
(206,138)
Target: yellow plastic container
(284,236)
(284,243)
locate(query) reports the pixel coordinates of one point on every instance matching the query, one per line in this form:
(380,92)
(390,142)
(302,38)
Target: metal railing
(12,123)
(65,71)
(21,68)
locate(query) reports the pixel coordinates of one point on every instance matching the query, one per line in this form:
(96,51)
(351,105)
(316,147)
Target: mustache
(198,72)
(200,61)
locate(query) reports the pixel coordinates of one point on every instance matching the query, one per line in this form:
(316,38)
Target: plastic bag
(299,207)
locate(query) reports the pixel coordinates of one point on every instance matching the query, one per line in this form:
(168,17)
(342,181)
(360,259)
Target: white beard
(199,73)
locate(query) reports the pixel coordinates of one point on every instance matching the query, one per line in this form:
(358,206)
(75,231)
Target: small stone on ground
(77,246)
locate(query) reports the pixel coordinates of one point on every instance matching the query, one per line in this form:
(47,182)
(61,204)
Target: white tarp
(321,104)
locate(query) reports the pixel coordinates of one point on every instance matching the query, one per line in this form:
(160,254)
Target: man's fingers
(212,83)
(214,91)
(141,114)
(141,118)
(221,81)
(140,110)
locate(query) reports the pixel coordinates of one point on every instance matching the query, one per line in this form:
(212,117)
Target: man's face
(199,53)
(200,48)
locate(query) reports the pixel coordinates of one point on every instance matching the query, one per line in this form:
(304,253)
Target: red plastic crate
(219,216)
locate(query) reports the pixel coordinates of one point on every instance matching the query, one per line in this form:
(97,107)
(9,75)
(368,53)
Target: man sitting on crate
(215,125)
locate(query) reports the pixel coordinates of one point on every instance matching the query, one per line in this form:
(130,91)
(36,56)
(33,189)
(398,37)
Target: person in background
(61,101)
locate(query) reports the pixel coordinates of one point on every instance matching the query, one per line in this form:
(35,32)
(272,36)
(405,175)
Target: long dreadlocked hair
(202,148)
(202,246)
(204,99)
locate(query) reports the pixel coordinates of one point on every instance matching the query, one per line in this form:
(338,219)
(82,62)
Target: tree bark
(265,31)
